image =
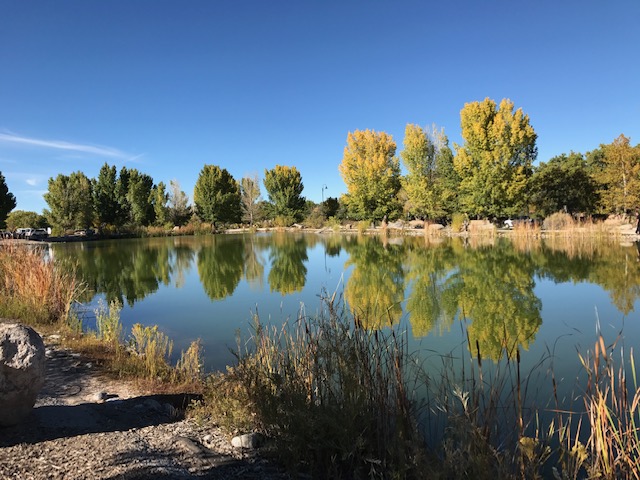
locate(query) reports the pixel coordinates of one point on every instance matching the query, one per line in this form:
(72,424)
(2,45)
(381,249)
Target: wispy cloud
(98,150)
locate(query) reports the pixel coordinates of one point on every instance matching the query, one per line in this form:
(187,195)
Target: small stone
(187,445)
(207,438)
(100,397)
(248,440)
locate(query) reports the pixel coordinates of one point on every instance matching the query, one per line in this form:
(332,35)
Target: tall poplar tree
(428,160)
(105,197)
(619,176)
(179,210)
(250,194)
(217,196)
(494,163)
(284,188)
(371,172)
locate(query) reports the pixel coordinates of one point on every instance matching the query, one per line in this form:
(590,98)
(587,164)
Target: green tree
(7,201)
(217,196)
(122,190)
(563,183)
(179,210)
(139,198)
(428,160)
(330,207)
(494,164)
(284,188)
(105,197)
(448,178)
(70,202)
(250,194)
(371,173)
(618,173)
(159,199)
(23,219)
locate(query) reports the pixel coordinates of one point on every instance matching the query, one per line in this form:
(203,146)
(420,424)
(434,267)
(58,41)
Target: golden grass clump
(33,288)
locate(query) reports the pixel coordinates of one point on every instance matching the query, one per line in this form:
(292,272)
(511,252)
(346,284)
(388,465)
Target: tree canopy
(217,196)
(250,194)
(494,163)
(563,183)
(284,188)
(618,173)
(70,202)
(371,172)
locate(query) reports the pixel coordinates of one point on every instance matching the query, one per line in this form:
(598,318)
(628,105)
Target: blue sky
(169,86)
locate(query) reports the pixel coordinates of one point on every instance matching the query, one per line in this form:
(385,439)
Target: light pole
(324,187)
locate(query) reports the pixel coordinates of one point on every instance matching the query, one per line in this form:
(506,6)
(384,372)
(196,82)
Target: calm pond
(544,297)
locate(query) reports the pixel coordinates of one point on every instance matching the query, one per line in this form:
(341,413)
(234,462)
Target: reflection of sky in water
(187,312)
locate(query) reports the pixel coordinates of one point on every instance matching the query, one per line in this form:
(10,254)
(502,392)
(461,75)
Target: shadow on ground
(61,421)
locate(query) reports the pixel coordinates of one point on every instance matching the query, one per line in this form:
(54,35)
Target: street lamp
(324,187)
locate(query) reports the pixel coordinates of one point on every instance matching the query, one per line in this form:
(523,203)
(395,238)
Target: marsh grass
(334,397)
(32,288)
(603,441)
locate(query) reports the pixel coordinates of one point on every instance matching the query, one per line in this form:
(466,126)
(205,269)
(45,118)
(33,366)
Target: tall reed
(334,396)
(32,288)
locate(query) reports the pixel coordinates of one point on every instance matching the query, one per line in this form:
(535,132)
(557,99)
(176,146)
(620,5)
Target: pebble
(248,440)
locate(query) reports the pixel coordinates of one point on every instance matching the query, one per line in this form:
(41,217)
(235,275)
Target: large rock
(22,371)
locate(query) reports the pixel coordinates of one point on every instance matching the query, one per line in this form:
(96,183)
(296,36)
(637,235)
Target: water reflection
(288,254)
(375,289)
(491,286)
(220,265)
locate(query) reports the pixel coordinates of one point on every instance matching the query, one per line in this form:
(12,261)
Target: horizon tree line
(491,175)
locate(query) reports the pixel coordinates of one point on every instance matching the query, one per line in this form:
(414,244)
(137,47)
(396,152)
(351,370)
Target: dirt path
(86,426)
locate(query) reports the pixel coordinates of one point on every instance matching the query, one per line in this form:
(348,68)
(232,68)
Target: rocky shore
(87,426)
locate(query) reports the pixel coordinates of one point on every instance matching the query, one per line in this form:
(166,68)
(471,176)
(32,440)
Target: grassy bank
(36,292)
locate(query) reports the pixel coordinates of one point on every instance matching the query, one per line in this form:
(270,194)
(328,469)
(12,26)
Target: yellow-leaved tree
(619,176)
(494,163)
(430,185)
(371,172)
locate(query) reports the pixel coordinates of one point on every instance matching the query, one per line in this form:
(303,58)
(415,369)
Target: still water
(545,298)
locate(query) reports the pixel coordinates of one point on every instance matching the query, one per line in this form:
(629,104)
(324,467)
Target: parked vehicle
(39,234)
(24,232)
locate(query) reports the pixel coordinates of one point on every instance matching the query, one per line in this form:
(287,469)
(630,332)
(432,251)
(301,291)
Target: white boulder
(22,371)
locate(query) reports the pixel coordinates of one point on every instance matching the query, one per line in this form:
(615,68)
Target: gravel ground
(87,426)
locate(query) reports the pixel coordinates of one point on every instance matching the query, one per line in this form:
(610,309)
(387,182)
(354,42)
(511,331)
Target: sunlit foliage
(70,202)
(217,196)
(284,188)
(371,172)
(494,163)
(619,176)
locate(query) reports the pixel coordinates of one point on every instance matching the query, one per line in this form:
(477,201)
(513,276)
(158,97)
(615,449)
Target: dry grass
(333,396)
(33,288)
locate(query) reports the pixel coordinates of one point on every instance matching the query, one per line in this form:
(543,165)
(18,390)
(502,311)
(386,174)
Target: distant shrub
(457,222)
(315,219)
(558,221)
(284,221)
(363,226)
